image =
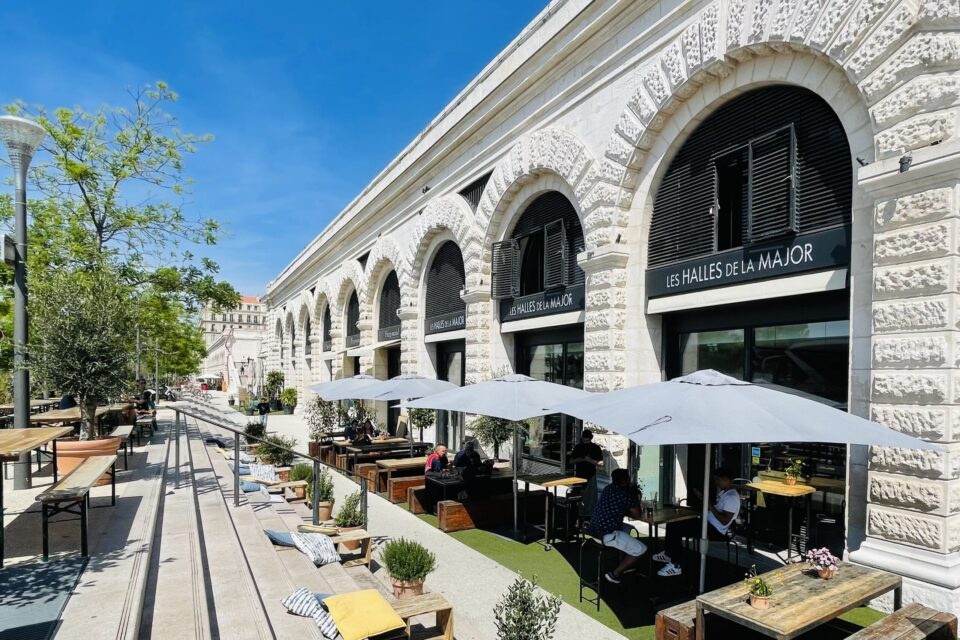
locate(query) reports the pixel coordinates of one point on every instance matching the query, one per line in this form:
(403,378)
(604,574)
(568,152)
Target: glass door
(450,368)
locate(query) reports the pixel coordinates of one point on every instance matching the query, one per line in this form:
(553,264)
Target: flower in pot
(288,397)
(408,564)
(794,471)
(325,500)
(760,590)
(350,518)
(823,562)
(301,472)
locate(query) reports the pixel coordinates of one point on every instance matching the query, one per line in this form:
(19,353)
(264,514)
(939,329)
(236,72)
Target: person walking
(263,408)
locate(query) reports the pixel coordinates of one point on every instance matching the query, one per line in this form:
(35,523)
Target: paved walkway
(472,582)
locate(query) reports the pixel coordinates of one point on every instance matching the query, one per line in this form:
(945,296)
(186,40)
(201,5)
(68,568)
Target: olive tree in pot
(350,518)
(288,397)
(523,614)
(83,335)
(273,450)
(324,495)
(321,417)
(274,385)
(493,432)
(254,431)
(422,418)
(408,564)
(302,472)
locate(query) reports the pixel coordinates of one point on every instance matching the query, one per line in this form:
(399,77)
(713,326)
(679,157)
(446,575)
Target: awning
(365,351)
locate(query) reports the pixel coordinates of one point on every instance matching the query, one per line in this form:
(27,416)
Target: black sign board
(388,333)
(542,304)
(446,322)
(353,341)
(807,252)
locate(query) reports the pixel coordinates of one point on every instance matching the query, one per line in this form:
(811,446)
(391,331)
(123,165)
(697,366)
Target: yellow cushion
(362,614)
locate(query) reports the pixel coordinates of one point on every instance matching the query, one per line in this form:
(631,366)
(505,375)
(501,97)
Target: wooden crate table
(390,466)
(16,442)
(388,448)
(791,491)
(801,600)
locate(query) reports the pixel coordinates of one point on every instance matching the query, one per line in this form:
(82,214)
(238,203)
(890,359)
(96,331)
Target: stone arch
(349,278)
(860,39)
(550,151)
(385,256)
(445,214)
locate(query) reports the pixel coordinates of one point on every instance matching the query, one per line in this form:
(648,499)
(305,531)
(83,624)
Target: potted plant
(794,471)
(321,417)
(251,407)
(231,400)
(408,564)
(522,613)
(823,562)
(254,431)
(492,432)
(288,397)
(422,418)
(270,450)
(324,495)
(760,590)
(274,385)
(82,336)
(350,518)
(301,472)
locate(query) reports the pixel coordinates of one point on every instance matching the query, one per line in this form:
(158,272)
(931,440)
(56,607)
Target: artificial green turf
(631,615)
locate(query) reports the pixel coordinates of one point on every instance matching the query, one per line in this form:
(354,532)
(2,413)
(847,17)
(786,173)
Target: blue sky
(307,100)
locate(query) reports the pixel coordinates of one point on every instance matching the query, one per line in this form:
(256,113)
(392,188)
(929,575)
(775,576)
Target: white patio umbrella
(512,397)
(708,407)
(344,388)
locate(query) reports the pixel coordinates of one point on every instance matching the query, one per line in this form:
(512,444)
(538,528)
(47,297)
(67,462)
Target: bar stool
(587,538)
(568,507)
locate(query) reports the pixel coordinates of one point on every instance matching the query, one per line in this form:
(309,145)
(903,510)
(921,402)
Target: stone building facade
(593,100)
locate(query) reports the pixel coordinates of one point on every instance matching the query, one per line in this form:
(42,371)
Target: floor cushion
(362,614)
(316,546)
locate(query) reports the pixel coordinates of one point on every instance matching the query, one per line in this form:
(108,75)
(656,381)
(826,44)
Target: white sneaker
(662,557)
(669,571)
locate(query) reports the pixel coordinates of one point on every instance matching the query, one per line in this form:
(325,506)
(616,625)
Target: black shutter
(474,191)
(308,337)
(390,302)
(445,280)
(327,339)
(503,281)
(545,209)
(353,315)
(554,255)
(771,193)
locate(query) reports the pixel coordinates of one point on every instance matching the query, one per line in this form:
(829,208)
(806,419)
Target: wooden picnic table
(73,415)
(16,442)
(385,447)
(801,600)
(792,491)
(34,404)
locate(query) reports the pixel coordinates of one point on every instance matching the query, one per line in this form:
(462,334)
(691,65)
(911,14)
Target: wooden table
(34,404)
(443,484)
(801,600)
(73,415)
(663,515)
(791,491)
(386,447)
(549,481)
(16,442)
(401,464)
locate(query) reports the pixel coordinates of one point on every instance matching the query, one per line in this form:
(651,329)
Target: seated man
(67,401)
(470,465)
(436,461)
(618,500)
(720,517)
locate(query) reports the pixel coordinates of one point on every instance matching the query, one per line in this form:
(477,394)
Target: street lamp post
(22,138)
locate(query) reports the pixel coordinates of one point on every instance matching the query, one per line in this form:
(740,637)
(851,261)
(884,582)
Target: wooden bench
(416,497)
(458,516)
(678,622)
(357,535)
(369,471)
(423,605)
(125,433)
(74,490)
(912,622)
(397,489)
(144,422)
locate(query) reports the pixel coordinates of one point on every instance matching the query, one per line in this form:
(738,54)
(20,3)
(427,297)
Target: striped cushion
(304,602)
(263,472)
(325,621)
(316,546)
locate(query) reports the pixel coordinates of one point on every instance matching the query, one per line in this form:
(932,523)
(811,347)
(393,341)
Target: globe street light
(22,138)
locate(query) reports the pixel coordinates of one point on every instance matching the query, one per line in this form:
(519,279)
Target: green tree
(523,614)
(83,333)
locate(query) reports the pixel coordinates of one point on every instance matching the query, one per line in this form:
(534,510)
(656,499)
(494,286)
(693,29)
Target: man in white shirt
(720,517)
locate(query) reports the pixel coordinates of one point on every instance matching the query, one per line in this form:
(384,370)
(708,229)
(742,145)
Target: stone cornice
(604,258)
(475,295)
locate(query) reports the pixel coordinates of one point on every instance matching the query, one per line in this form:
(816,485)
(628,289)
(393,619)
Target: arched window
(307,337)
(327,340)
(353,317)
(445,309)
(766,166)
(389,326)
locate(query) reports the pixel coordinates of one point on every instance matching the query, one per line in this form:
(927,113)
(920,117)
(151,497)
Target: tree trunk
(88,420)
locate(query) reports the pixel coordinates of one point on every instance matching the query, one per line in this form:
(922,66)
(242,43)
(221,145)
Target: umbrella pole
(516,519)
(704,542)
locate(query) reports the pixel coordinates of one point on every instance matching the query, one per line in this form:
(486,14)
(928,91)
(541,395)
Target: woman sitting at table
(720,518)
(436,461)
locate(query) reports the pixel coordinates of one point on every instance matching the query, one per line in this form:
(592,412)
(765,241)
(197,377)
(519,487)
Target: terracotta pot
(70,453)
(350,546)
(759,603)
(284,475)
(403,590)
(300,492)
(826,573)
(324,510)
(791,480)
(313,449)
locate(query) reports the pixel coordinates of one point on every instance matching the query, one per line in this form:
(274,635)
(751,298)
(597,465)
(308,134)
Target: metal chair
(587,538)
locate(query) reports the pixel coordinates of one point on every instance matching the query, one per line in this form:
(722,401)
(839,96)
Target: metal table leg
(55,474)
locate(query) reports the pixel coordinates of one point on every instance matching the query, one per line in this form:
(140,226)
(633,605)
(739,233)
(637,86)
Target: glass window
(561,363)
(810,357)
(719,350)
